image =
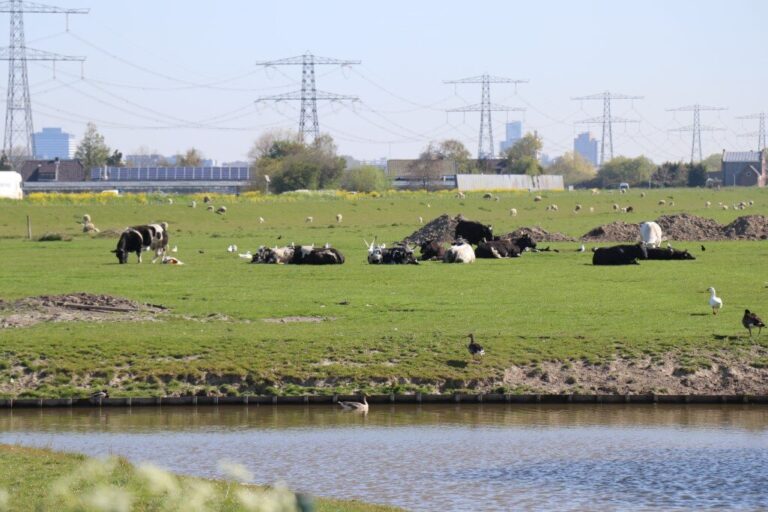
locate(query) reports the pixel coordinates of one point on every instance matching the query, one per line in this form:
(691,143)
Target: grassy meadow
(387,328)
(37,479)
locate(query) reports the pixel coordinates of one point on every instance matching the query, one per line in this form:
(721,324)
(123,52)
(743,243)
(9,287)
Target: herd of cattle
(154,237)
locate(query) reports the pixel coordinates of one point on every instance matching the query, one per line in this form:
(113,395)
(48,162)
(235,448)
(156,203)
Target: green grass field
(36,479)
(399,329)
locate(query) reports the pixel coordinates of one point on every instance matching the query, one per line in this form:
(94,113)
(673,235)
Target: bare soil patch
(540,235)
(443,229)
(75,307)
(684,226)
(294,319)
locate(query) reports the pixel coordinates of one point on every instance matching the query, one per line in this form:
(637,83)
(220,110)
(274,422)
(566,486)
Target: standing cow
(473,232)
(651,234)
(147,237)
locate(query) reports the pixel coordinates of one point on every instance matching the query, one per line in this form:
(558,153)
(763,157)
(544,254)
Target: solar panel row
(171,174)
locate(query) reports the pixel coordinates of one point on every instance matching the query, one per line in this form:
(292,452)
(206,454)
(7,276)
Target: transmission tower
(308,93)
(607,119)
(18,114)
(761,130)
(485,107)
(696,127)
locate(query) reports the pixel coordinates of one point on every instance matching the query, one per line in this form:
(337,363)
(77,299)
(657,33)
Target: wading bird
(750,320)
(715,302)
(355,406)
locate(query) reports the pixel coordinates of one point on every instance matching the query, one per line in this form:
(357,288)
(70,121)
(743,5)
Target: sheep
(261,220)
(594,191)
(309,220)
(193,204)
(513,212)
(210,208)
(725,207)
(221,209)
(88,226)
(708,204)
(662,202)
(338,218)
(552,208)
(170,200)
(577,207)
(671,203)
(591,209)
(751,203)
(487,195)
(624,210)
(616,207)
(461,195)
(206,199)
(629,209)
(642,194)
(537,198)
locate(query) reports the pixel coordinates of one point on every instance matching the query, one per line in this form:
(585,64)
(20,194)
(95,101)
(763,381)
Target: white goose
(355,406)
(715,302)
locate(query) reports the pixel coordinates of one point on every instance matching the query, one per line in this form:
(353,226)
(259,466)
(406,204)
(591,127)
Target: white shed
(10,185)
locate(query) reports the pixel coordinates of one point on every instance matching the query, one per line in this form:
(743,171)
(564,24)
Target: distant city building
(53,143)
(353,163)
(745,168)
(236,163)
(586,146)
(545,160)
(514,134)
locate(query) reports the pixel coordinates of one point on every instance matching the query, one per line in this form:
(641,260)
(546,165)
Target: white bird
(421,220)
(582,248)
(246,256)
(175,248)
(261,220)
(715,302)
(232,248)
(355,406)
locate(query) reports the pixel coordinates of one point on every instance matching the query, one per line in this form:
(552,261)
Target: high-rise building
(53,142)
(514,134)
(586,146)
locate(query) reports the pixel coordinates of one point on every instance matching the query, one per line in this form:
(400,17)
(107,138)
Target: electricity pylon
(607,119)
(18,113)
(485,107)
(696,127)
(308,93)
(760,132)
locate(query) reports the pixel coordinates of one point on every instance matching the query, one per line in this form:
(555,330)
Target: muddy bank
(718,373)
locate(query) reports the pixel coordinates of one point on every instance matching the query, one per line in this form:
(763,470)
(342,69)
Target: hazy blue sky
(172,74)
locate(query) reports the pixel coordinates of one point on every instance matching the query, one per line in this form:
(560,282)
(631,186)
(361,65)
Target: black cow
(152,237)
(473,232)
(619,255)
(432,250)
(317,256)
(656,253)
(397,255)
(504,247)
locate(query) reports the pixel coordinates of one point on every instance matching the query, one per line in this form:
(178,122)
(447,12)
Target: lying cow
(651,234)
(309,255)
(505,247)
(619,254)
(397,255)
(473,232)
(146,237)
(432,250)
(655,253)
(275,255)
(459,252)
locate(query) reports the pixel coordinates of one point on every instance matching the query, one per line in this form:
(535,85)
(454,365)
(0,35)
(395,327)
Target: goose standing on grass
(715,302)
(750,320)
(475,349)
(355,406)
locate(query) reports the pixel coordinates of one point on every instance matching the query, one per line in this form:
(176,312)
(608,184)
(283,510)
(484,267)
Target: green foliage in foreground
(386,328)
(34,479)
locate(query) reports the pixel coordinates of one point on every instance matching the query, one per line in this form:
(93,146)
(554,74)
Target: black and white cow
(505,247)
(459,252)
(397,255)
(657,253)
(310,255)
(151,237)
(473,232)
(619,255)
(274,255)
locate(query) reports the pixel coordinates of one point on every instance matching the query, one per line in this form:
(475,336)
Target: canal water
(445,457)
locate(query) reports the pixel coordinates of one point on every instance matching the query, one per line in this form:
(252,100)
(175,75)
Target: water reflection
(446,457)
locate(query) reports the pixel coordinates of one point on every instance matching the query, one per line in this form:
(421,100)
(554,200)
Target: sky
(165,76)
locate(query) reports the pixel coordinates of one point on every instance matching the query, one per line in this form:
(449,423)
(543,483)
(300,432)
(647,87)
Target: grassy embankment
(390,328)
(35,479)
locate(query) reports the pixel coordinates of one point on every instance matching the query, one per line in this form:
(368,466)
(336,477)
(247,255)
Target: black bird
(475,349)
(750,320)
(279,237)
(703,248)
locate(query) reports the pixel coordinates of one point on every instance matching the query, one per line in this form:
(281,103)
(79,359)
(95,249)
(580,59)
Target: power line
(760,131)
(485,107)
(696,127)
(606,119)
(308,95)
(18,113)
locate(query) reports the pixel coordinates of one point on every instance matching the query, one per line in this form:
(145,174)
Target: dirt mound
(749,227)
(540,235)
(82,307)
(618,231)
(441,229)
(684,226)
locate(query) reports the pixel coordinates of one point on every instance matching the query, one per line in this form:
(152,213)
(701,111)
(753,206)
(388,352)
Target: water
(445,457)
